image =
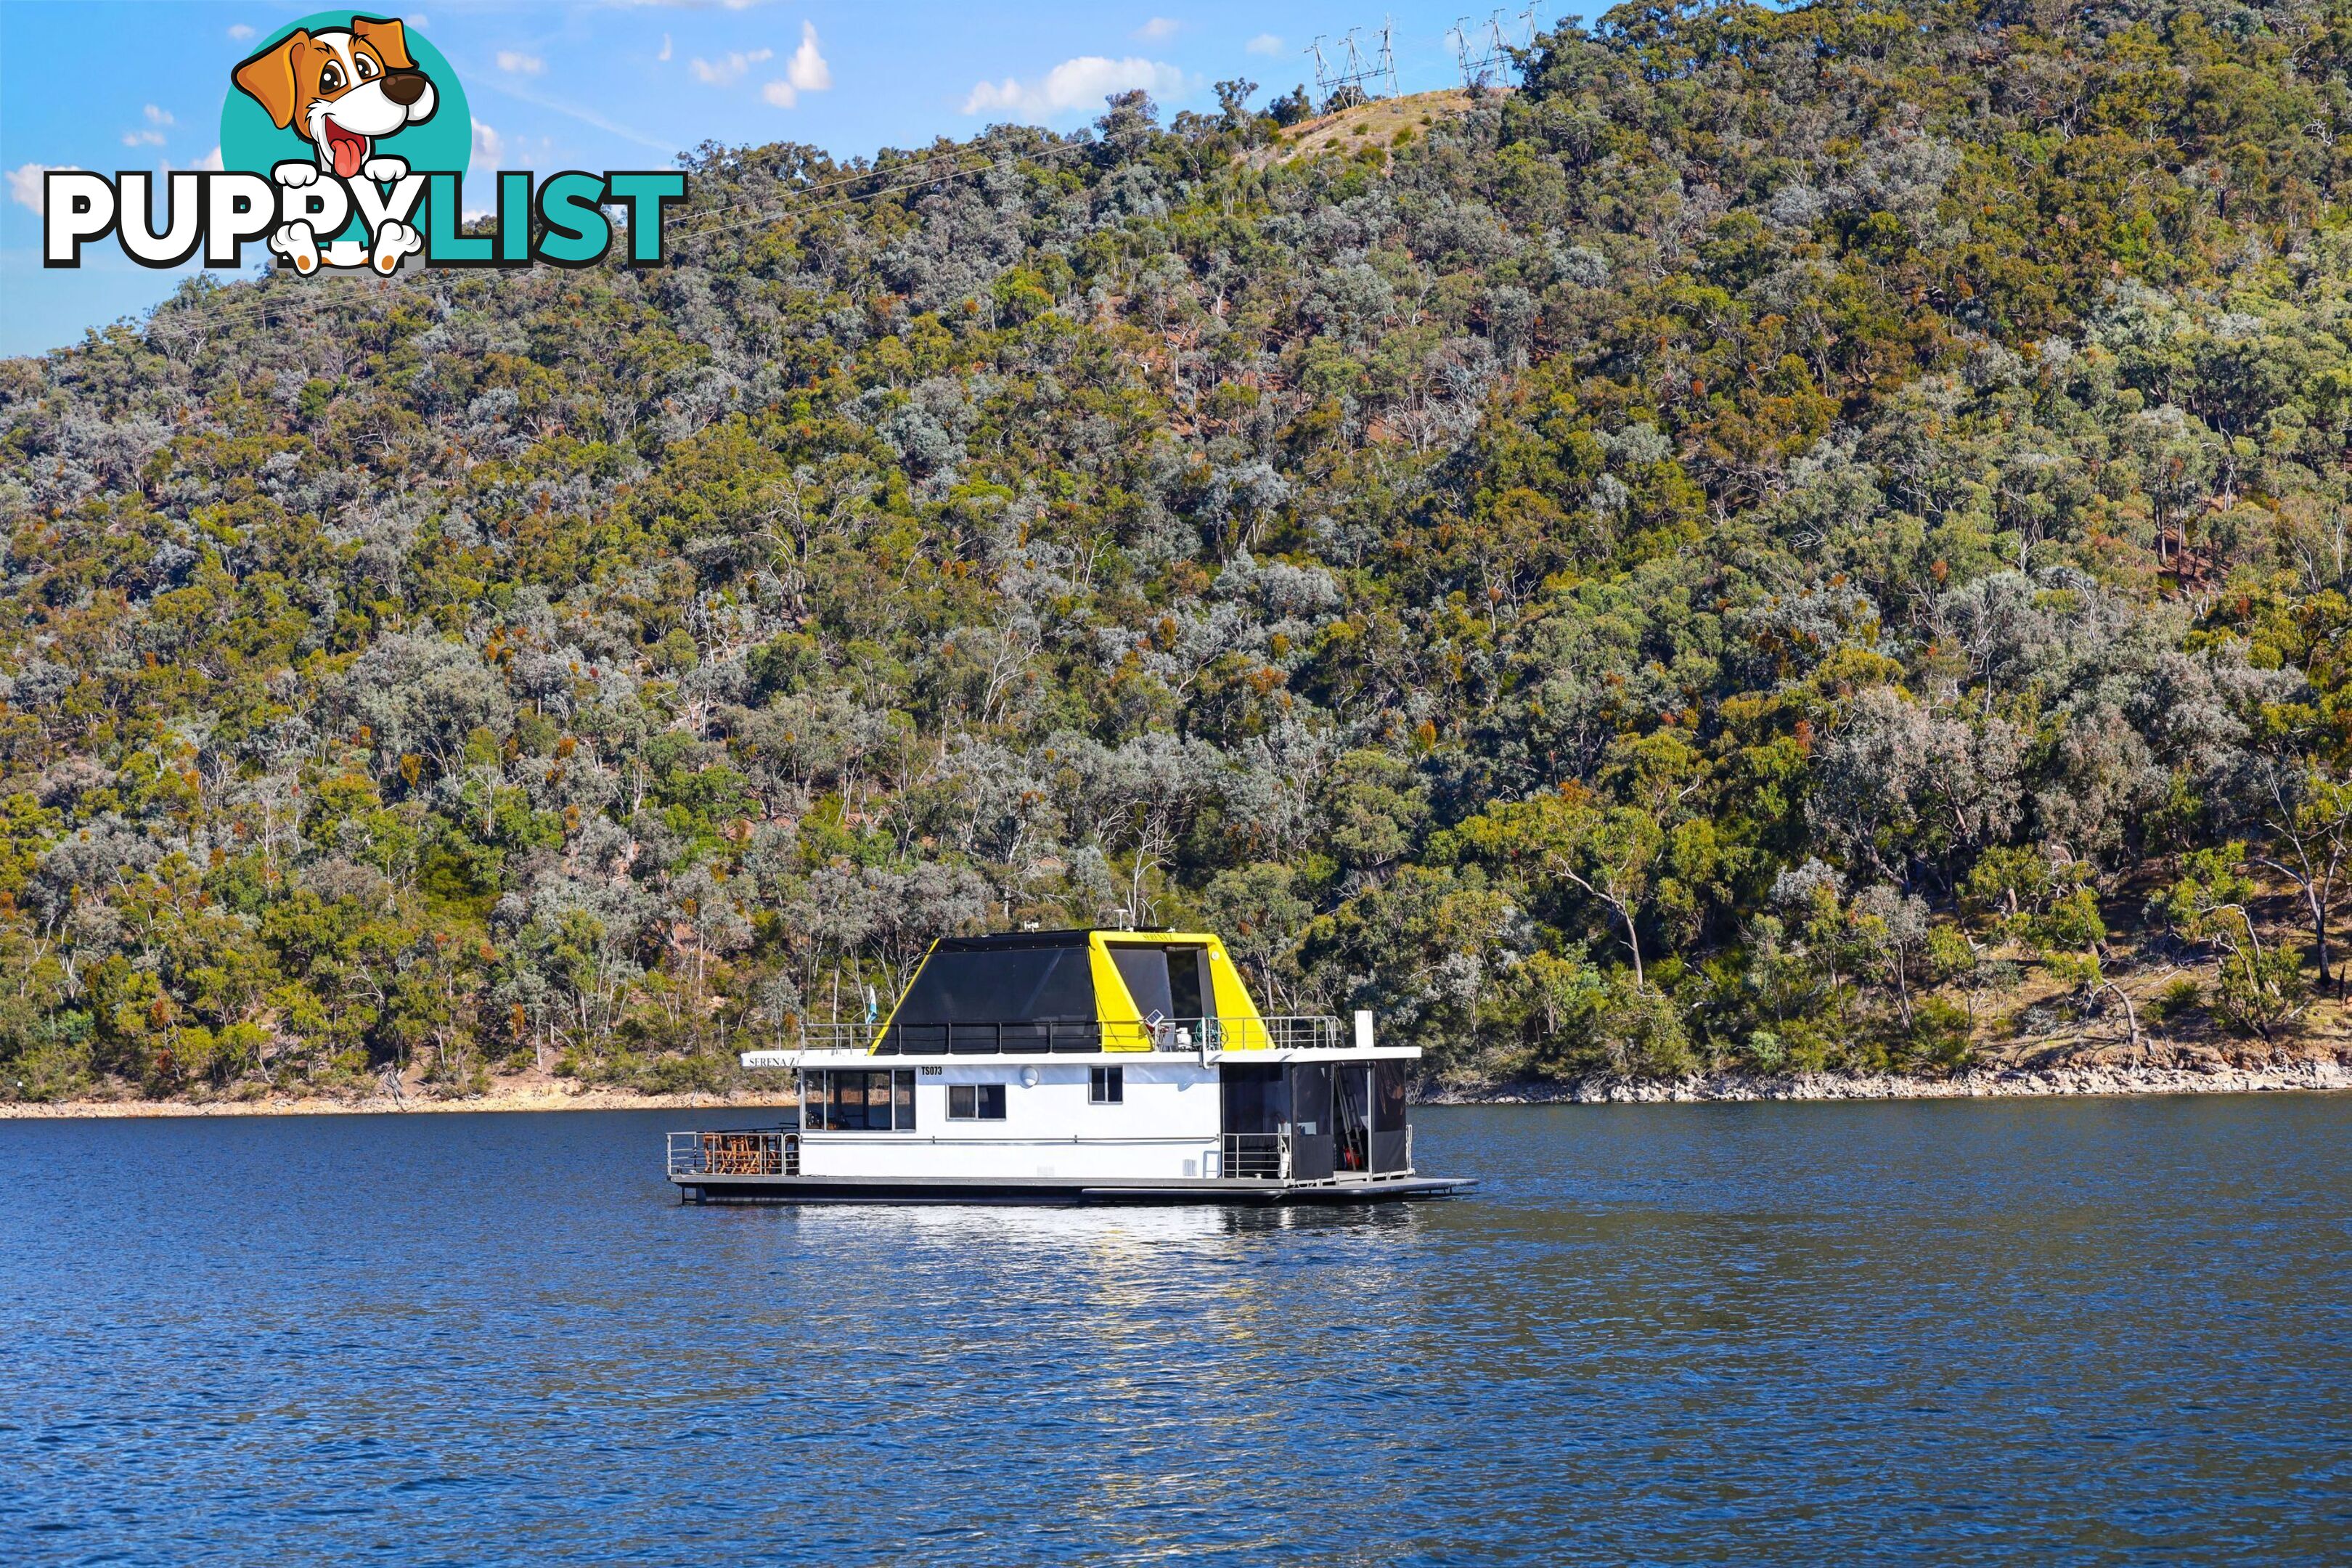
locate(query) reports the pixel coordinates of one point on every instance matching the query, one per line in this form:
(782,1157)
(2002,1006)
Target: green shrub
(2177,1000)
(47,1073)
(1641,1031)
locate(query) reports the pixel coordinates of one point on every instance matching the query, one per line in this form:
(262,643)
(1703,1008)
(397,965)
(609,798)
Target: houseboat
(1076,1066)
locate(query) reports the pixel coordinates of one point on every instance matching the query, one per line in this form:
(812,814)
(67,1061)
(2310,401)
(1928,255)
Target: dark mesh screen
(1388,1097)
(1002,986)
(1256,1100)
(1145,970)
(1311,1099)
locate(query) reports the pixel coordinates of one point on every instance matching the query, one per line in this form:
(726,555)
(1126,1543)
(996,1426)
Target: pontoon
(1076,1066)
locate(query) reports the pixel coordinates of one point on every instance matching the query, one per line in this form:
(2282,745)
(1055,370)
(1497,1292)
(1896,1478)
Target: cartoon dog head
(342,90)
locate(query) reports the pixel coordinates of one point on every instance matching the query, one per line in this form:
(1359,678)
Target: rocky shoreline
(497,1100)
(2321,1074)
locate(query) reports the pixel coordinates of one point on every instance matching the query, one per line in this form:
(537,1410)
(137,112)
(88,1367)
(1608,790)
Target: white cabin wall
(1168,1126)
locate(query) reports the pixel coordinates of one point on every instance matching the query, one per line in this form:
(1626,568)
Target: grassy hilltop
(1803,538)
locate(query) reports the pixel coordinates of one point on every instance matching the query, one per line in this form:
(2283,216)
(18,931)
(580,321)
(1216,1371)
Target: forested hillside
(1793,540)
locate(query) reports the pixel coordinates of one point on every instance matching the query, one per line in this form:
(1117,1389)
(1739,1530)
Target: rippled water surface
(2088,1331)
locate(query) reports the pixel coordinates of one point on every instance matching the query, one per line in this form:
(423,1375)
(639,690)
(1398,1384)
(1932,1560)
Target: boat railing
(1255,1156)
(1283,1032)
(1048,1037)
(747,1152)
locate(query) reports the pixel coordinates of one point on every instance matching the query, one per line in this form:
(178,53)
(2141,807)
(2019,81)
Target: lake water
(2008,1332)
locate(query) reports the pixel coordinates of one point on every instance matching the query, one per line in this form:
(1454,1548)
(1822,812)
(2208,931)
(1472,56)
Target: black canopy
(1030,977)
(1022,991)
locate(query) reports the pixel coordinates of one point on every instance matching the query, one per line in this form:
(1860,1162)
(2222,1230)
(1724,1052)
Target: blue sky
(618,84)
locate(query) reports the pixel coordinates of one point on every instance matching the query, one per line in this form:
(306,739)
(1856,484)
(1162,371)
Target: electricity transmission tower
(1352,78)
(1484,53)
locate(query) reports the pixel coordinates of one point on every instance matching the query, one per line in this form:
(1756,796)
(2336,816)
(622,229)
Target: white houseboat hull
(1050,1130)
(710,1189)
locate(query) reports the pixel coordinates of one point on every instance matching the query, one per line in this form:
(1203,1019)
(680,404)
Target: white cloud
(807,71)
(730,69)
(211,159)
(1159,27)
(514,62)
(1081,83)
(25,182)
(1076,83)
(495,151)
(665,53)
(240,32)
(1265,44)
(153,136)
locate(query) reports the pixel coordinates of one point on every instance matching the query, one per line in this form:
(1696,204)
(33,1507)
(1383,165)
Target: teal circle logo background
(444,143)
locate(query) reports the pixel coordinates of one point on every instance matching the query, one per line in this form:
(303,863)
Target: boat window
(1105,1085)
(859,1101)
(976,1102)
(1188,983)
(1145,970)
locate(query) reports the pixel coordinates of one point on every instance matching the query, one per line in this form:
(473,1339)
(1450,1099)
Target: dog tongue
(349,152)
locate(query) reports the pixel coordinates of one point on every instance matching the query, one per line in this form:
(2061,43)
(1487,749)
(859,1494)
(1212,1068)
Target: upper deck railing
(1037,1037)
